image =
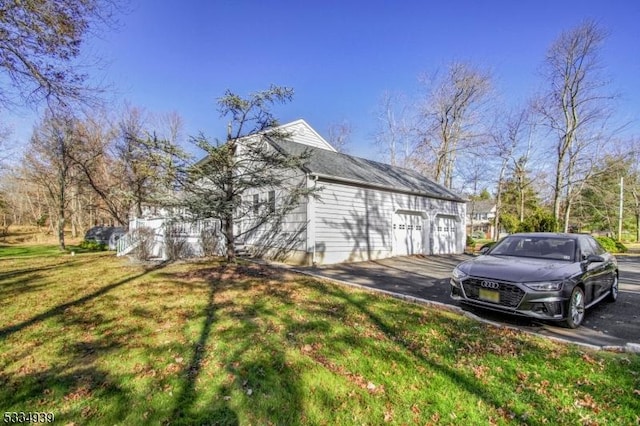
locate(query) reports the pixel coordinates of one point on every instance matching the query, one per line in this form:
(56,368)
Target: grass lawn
(97,340)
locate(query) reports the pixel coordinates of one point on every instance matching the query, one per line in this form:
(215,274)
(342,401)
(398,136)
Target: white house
(364,210)
(480,218)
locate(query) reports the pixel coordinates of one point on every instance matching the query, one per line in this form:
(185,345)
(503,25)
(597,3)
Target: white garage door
(407,234)
(444,241)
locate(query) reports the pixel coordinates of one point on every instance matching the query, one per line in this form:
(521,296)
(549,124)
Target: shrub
(470,241)
(210,242)
(176,245)
(611,245)
(145,242)
(93,245)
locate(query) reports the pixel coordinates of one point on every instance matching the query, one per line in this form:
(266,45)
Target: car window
(590,246)
(598,248)
(544,247)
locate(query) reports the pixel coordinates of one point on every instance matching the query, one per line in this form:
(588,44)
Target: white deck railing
(191,231)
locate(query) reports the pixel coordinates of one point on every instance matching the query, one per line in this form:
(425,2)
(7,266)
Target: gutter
(383,187)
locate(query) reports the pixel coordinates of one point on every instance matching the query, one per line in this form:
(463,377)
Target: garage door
(444,239)
(407,234)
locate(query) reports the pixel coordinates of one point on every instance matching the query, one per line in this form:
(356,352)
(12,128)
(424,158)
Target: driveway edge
(627,348)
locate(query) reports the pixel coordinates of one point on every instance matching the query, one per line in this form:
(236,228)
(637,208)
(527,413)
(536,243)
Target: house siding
(354,223)
(302,133)
(284,241)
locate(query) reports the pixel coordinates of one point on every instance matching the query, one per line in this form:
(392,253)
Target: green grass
(97,340)
(29,251)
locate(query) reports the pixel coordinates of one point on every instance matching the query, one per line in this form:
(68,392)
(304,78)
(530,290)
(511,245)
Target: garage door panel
(408,234)
(444,241)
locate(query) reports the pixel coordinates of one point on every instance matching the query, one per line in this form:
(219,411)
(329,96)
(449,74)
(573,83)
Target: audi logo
(490,284)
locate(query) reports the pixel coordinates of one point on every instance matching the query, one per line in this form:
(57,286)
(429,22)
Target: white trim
(307,127)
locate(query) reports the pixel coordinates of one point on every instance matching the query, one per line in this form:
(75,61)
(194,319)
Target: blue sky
(340,56)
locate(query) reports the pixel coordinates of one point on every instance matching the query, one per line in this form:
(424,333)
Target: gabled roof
(354,170)
(302,132)
(481,206)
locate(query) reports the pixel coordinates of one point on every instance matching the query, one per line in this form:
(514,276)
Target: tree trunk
(229,233)
(556,194)
(61,222)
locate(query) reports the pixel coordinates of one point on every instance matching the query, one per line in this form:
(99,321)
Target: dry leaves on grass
(587,401)
(358,380)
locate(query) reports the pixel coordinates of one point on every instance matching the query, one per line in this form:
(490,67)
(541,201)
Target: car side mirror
(484,249)
(593,258)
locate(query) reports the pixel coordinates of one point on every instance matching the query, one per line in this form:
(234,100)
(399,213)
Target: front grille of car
(510,295)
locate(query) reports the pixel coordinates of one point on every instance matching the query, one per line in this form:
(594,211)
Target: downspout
(313,253)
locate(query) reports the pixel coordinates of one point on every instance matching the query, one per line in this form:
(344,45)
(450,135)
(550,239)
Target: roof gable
(302,133)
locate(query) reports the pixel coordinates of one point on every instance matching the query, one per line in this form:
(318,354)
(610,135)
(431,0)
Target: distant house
(364,210)
(480,219)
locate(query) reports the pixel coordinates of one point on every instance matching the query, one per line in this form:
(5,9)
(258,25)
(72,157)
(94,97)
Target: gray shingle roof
(365,172)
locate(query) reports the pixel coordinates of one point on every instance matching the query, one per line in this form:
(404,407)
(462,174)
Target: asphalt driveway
(427,277)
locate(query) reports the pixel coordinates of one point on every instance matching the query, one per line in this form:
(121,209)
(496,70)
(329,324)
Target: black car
(107,235)
(549,276)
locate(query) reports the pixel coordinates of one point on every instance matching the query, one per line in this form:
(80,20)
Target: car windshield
(543,247)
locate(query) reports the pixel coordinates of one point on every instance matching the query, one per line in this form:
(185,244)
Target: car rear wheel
(575,312)
(613,293)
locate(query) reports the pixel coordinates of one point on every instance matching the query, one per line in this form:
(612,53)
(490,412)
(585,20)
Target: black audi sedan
(549,276)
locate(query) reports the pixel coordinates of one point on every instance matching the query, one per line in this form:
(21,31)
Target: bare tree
(128,165)
(451,120)
(40,43)
(49,163)
(575,109)
(340,135)
(512,147)
(5,151)
(393,134)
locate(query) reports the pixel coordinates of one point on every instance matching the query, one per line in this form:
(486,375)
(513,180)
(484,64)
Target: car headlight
(457,274)
(545,286)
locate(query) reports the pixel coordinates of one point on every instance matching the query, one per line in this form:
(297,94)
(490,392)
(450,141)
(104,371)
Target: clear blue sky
(340,56)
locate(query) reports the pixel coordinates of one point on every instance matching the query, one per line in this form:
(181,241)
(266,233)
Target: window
(256,203)
(590,246)
(272,201)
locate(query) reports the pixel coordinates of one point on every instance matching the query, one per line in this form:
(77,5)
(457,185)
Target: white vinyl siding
(291,232)
(354,223)
(302,133)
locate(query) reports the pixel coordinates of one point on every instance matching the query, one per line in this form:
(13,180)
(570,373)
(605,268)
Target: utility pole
(620,210)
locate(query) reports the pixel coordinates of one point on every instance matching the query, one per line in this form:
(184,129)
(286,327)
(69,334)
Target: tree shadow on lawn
(69,262)
(59,309)
(73,386)
(68,386)
(395,333)
(19,281)
(258,377)
(262,375)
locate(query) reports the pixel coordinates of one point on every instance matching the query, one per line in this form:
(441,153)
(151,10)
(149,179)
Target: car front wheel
(613,293)
(575,312)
